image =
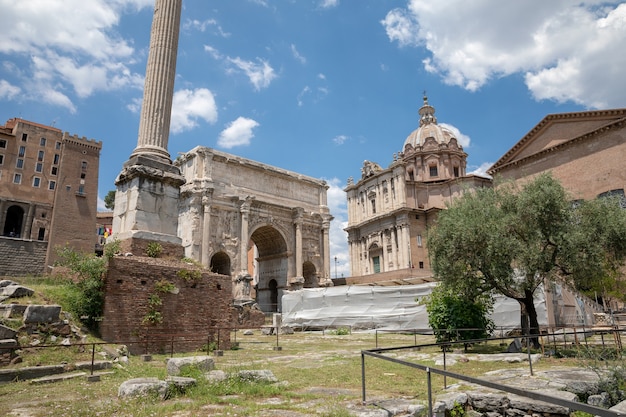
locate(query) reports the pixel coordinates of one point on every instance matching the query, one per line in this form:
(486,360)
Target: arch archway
(272,267)
(13,221)
(220,263)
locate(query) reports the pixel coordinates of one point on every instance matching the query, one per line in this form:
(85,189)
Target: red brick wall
(191,317)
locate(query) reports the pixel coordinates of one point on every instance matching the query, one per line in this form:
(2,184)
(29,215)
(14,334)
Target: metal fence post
(430,393)
(363,376)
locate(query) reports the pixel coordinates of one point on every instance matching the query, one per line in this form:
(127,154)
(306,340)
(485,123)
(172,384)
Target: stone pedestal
(146,203)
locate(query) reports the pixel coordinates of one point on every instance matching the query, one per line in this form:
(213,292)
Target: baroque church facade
(390,209)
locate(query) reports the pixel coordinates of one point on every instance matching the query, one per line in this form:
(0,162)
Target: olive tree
(510,239)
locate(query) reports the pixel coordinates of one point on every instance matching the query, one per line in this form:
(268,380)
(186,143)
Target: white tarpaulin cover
(381,307)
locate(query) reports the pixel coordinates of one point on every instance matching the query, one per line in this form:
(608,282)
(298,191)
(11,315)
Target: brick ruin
(156,305)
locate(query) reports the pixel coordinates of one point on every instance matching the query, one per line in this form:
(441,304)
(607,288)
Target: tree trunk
(528,319)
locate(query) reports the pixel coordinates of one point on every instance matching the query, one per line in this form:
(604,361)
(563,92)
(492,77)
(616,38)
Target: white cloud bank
(190,105)
(238,133)
(566,51)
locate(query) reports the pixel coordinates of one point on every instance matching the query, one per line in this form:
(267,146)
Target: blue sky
(314,86)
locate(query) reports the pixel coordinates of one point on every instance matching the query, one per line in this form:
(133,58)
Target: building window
(433,170)
(456,171)
(24,137)
(22,151)
(82,175)
(36,182)
(411,176)
(81,190)
(40,156)
(421,265)
(42,233)
(52,185)
(83,166)
(373,206)
(19,163)
(57,145)
(42,142)
(17,178)
(3,143)
(1,159)
(56,159)
(54,170)
(419,241)
(39,167)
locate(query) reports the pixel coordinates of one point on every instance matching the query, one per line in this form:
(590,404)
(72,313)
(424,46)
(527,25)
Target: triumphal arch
(264,226)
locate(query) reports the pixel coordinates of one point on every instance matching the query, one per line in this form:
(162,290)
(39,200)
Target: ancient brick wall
(191,312)
(22,257)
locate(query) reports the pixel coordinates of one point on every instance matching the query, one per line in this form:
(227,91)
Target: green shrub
(154,249)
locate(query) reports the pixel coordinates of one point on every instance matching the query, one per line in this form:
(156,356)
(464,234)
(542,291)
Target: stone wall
(22,257)
(197,304)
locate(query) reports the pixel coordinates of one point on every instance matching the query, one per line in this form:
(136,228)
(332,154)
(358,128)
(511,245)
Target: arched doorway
(272,267)
(220,263)
(376,259)
(13,222)
(310,275)
(273,289)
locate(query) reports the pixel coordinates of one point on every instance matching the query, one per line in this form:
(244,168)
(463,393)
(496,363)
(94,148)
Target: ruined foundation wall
(196,305)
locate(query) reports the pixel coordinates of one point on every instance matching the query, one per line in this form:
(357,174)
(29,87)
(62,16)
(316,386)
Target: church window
(373,206)
(411,175)
(456,171)
(433,170)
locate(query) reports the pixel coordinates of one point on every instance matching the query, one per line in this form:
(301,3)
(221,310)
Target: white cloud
(305,91)
(8,91)
(337,204)
(260,73)
(297,55)
(237,133)
(481,169)
(327,4)
(565,50)
(213,52)
(340,139)
(463,139)
(80,51)
(190,105)
(203,25)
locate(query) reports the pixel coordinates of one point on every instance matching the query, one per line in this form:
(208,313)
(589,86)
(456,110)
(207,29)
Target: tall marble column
(156,109)
(148,187)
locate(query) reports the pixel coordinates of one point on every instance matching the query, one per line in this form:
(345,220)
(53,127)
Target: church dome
(428,128)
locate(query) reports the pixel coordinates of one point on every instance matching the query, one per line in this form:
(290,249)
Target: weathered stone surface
(203,363)
(7,332)
(8,375)
(620,408)
(181,384)
(6,283)
(42,314)
(142,386)
(602,400)
(261,375)
(16,291)
(528,404)
(487,401)
(216,376)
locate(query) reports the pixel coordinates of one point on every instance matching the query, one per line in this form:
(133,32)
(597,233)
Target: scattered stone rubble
(40,324)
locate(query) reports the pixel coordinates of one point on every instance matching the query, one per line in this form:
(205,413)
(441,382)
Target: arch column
(297,222)
(28,225)
(244,210)
(206,230)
